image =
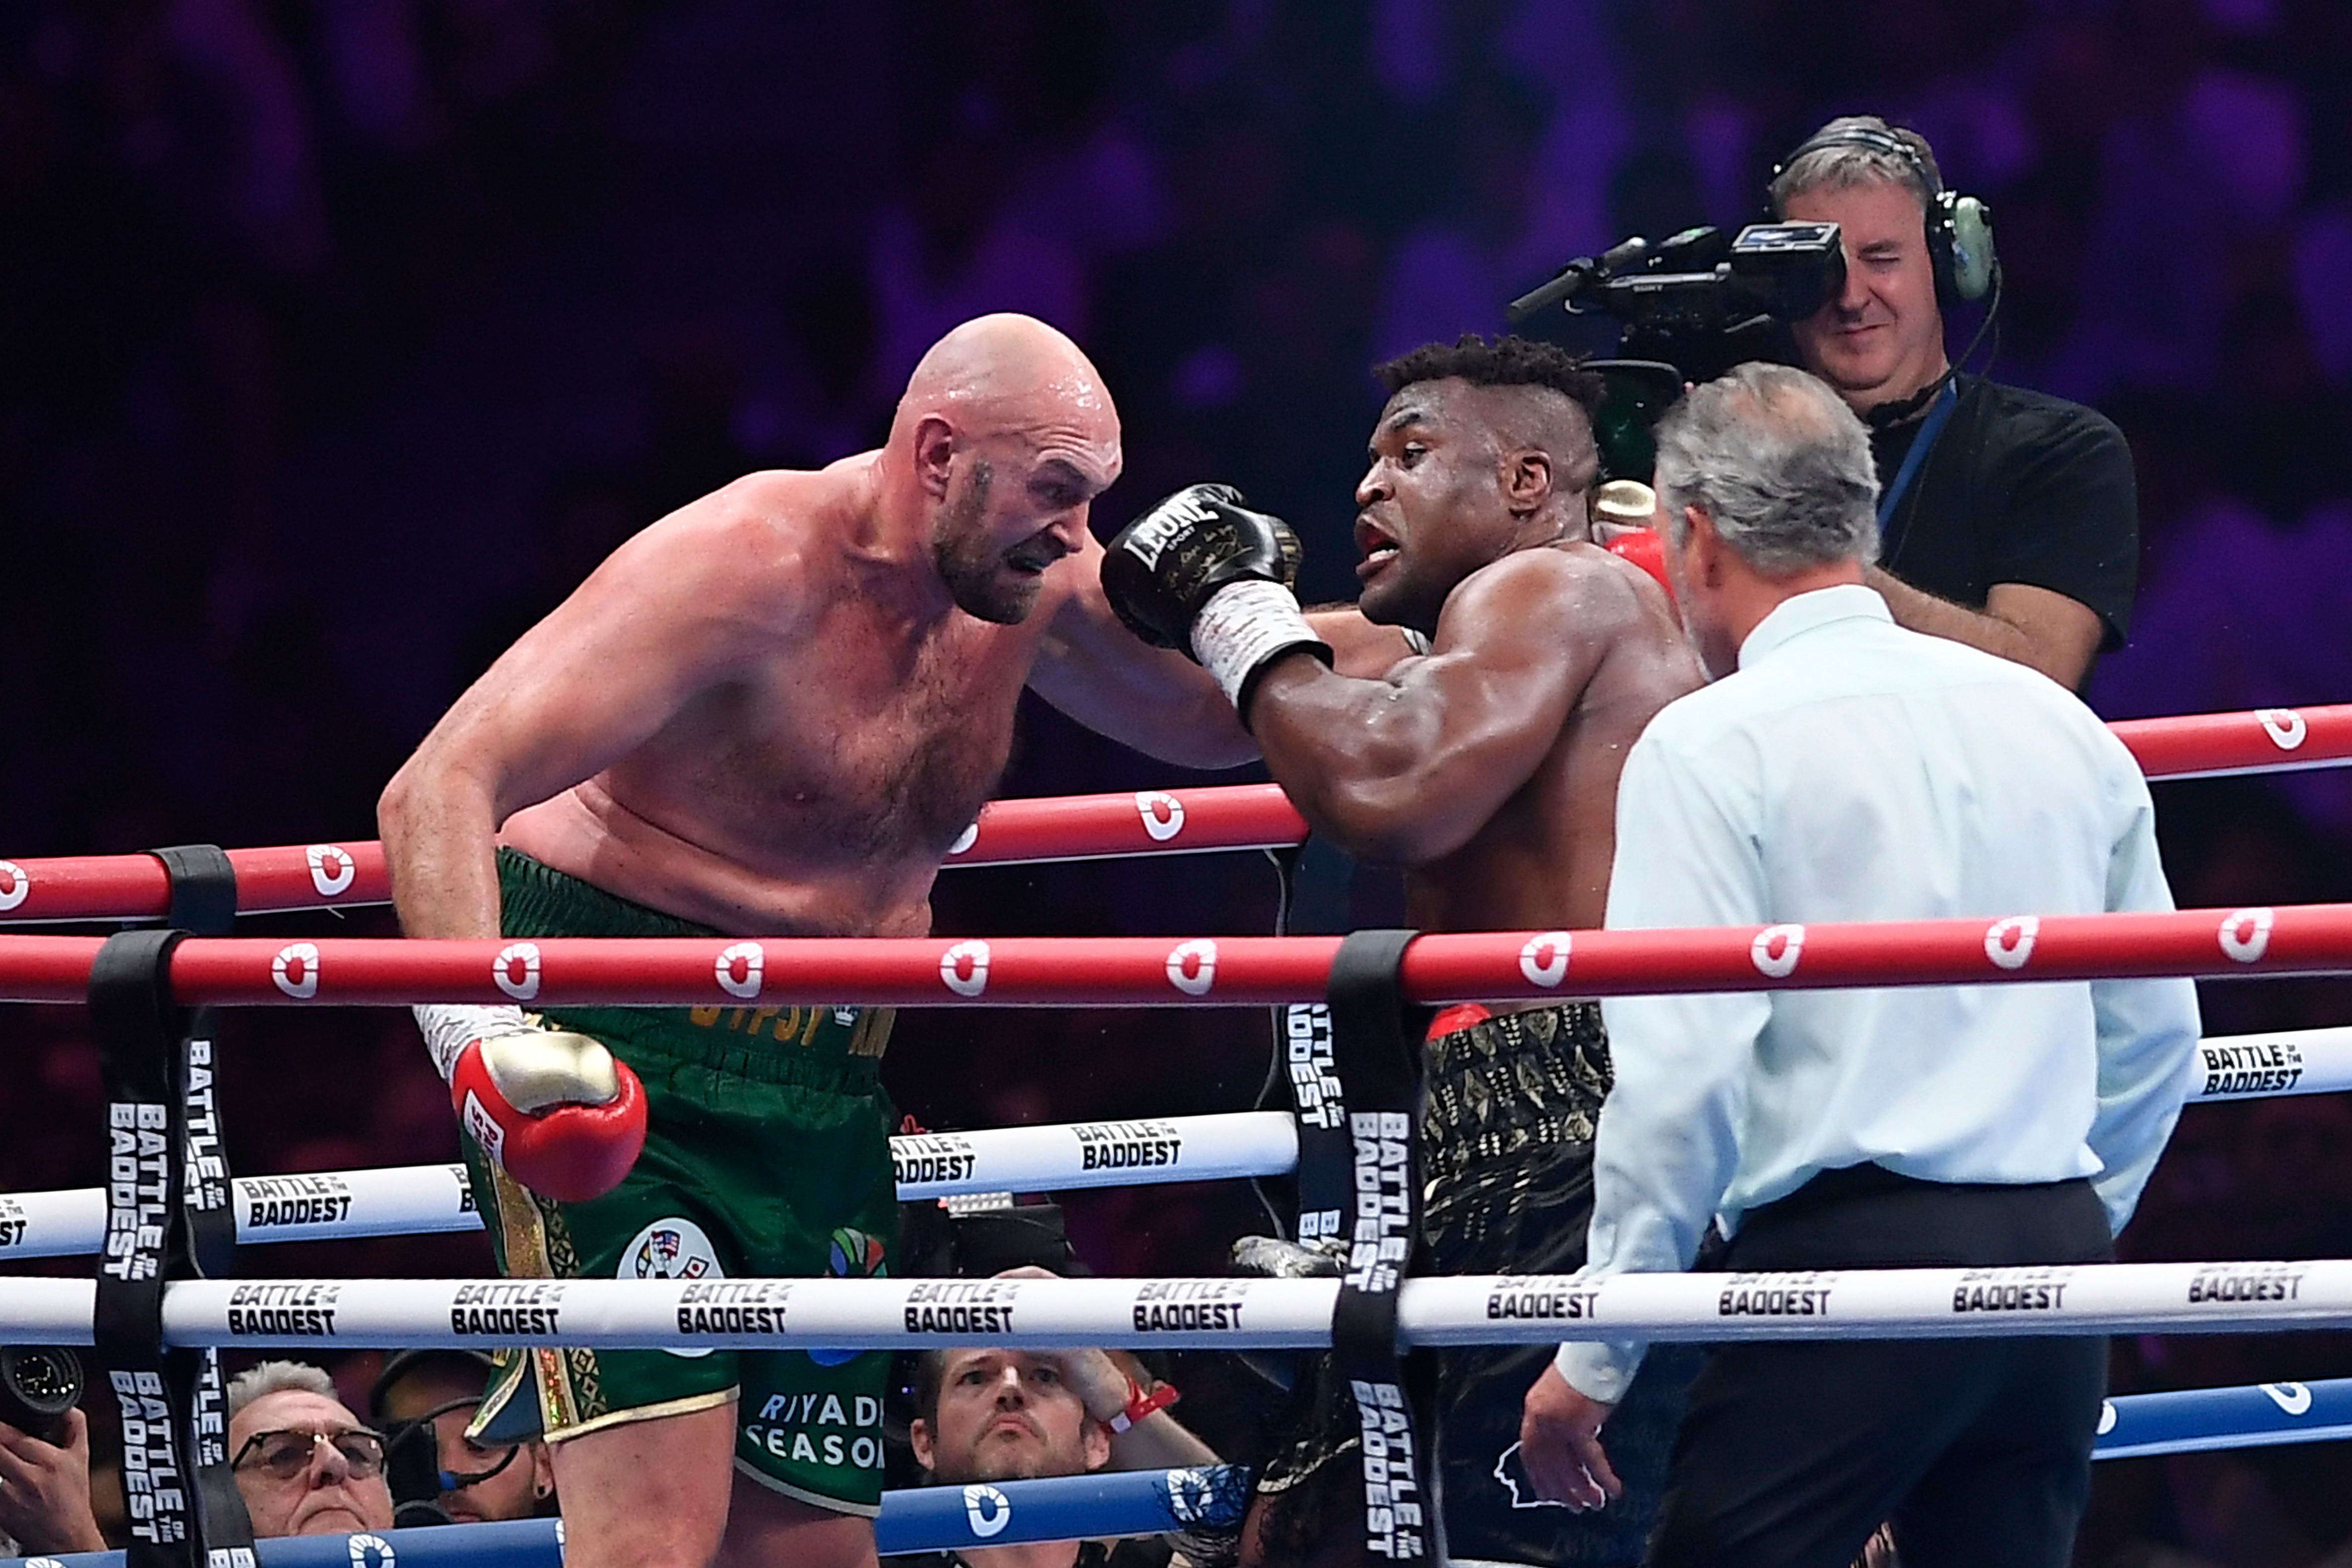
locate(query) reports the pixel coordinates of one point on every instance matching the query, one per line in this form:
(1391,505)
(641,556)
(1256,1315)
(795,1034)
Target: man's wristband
(1141,1405)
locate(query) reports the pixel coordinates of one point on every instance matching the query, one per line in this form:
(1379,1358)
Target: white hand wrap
(448,1028)
(1242,626)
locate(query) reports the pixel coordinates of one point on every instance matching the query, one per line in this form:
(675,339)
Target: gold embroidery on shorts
(587,1384)
(871,1035)
(521,1227)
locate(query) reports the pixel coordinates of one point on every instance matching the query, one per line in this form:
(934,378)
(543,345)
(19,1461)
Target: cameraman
(2014,526)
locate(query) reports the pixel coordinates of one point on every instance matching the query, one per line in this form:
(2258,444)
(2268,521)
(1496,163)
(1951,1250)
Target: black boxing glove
(1202,572)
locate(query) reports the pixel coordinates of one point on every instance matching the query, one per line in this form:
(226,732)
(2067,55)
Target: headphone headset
(1959,229)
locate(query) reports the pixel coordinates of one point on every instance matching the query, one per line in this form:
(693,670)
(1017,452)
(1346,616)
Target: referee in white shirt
(1841,768)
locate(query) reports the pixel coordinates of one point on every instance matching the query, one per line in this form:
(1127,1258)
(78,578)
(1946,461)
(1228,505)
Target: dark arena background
(340,338)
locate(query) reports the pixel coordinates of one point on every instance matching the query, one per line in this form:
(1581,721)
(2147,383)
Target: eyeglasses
(285,1454)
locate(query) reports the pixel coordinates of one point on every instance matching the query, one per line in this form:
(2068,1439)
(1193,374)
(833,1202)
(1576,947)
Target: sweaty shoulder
(759,543)
(1602,596)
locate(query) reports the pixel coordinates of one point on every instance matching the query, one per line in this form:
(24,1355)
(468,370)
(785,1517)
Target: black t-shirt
(2020,488)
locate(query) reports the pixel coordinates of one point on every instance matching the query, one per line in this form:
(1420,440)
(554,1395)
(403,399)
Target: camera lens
(38,1384)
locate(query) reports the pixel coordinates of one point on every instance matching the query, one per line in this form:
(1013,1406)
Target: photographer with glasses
(304,1463)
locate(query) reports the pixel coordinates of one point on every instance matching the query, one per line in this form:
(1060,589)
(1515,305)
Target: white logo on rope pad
(332,869)
(1544,959)
(371,1551)
(1192,966)
(16,887)
(2292,1397)
(988,1510)
(1163,813)
(2010,942)
(296,970)
(2106,1417)
(740,968)
(1190,1495)
(516,969)
(964,968)
(2284,726)
(966,840)
(1776,950)
(2246,934)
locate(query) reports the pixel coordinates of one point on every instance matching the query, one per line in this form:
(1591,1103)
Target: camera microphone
(1582,274)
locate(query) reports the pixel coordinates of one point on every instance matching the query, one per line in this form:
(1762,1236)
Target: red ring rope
(1066,827)
(1217,970)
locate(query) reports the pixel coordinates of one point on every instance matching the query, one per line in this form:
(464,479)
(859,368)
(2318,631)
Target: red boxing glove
(555,1110)
(1645,549)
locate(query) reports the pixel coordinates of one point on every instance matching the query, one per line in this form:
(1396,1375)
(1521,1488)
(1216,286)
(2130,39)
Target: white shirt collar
(1802,613)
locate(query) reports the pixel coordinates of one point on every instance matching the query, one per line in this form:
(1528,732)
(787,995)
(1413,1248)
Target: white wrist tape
(1242,626)
(449,1029)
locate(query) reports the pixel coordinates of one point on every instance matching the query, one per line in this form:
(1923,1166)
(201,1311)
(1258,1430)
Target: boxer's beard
(980,578)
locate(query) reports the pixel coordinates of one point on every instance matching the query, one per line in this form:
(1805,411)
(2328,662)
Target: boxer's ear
(1527,479)
(935,450)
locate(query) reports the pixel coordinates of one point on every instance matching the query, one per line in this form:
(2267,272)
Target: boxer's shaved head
(1012,434)
(1007,373)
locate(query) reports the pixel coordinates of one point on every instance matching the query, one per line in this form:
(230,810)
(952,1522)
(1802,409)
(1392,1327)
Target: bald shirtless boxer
(771,712)
(1488,769)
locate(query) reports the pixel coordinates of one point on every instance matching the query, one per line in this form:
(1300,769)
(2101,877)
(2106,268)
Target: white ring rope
(410,1200)
(416,1200)
(1207,1313)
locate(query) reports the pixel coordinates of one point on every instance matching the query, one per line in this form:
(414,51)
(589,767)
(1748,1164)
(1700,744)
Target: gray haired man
(2011,518)
(1842,768)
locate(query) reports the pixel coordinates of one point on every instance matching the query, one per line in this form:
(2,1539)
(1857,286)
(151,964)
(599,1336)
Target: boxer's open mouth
(1379,548)
(1034,558)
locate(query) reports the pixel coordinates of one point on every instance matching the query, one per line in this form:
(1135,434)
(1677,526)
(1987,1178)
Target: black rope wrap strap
(1315,900)
(1376,1046)
(204,903)
(136,1026)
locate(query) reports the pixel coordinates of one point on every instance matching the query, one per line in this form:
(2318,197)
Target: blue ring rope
(1147,1502)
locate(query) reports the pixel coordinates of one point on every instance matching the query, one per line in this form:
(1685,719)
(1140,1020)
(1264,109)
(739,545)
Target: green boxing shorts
(767,1153)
